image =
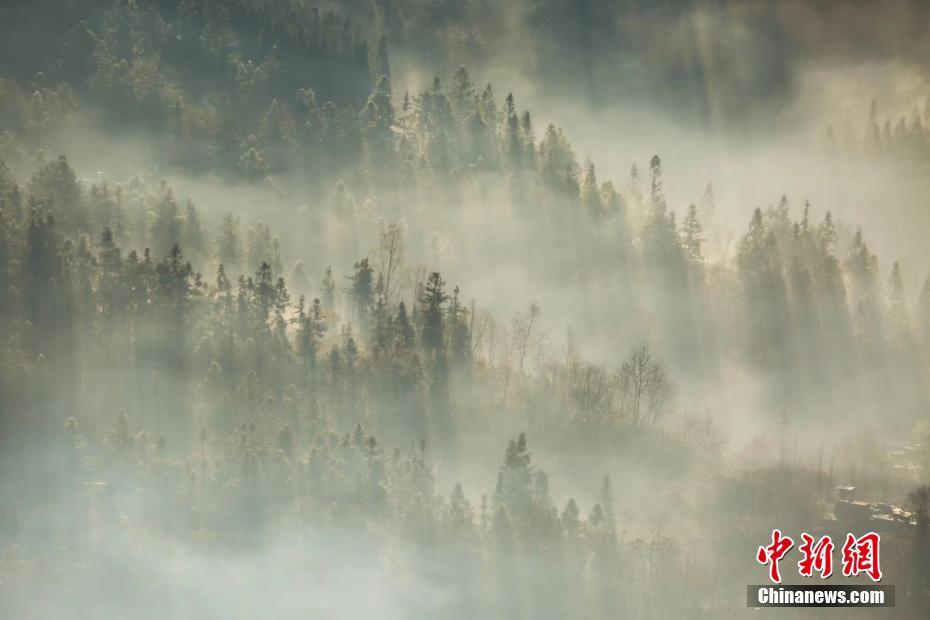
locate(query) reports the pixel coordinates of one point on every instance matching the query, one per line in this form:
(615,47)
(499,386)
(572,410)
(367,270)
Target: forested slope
(344,361)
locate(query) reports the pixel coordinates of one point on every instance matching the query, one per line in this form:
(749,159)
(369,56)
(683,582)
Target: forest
(321,310)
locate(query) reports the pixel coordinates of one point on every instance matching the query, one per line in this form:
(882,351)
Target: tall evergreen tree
(433,302)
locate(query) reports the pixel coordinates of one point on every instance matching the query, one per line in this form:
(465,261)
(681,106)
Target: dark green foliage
(433,302)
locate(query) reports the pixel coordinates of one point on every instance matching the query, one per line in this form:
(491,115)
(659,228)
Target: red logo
(773,553)
(817,557)
(860,555)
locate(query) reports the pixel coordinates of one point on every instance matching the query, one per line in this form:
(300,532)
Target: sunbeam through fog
(460,309)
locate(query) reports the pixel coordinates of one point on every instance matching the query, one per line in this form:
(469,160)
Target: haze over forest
(456,308)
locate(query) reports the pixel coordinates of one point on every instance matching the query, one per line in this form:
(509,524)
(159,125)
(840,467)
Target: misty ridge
(463,309)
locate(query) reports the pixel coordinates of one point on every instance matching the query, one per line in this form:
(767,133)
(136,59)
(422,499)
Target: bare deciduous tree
(592,392)
(390,255)
(644,387)
(524,334)
(481,327)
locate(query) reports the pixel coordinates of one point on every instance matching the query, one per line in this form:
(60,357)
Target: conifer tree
(691,235)
(591,193)
(362,291)
(378,116)
(656,196)
(433,302)
(229,244)
(462,95)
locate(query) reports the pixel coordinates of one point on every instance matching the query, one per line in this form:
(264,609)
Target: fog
(405,309)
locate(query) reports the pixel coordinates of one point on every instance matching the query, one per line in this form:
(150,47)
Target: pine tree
(436,123)
(362,291)
(298,277)
(571,523)
(479,139)
(264,291)
(252,161)
(55,187)
(343,204)
(462,95)
(691,235)
(515,479)
(591,193)
(194,237)
(528,137)
(897,307)
(329,291)
(317,319)
(656,197)
(635,191)
(488,106)
(861,266)
(512,145)
(404,328)
(167,225)
(229,244)
(433,300)
(805,220)
(826,232)
(708,204)
(457,325)
(378,119)
(459,515)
